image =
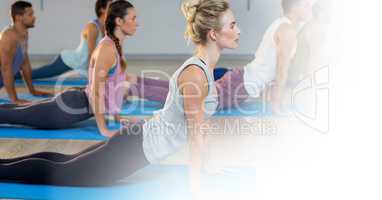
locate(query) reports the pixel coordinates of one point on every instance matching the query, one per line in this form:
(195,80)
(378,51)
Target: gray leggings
(150,89)
(59,112)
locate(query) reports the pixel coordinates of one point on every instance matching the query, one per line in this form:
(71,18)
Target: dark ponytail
(117,9)
(99,5)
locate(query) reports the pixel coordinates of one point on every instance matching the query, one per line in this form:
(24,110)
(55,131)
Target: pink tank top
(114,86)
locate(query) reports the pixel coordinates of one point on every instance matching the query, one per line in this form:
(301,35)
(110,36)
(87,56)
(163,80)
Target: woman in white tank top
(272,59)
(314,50)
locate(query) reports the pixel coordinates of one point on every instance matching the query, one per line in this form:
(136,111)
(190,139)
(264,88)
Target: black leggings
(61,111)
(56,68)
(101,164)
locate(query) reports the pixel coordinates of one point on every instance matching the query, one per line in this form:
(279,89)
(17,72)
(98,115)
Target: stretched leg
(231,90)
(147,88)
(59,112)
(114,160)
(152,93)
(56,68)
(152,82)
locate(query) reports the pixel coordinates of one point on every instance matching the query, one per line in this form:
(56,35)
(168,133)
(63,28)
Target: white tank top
(166,132)
(259,73)
(78,59)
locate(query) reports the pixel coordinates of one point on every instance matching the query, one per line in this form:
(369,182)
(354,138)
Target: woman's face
(229,34)
(129,23)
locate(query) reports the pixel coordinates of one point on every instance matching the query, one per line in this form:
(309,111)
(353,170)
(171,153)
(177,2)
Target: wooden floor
(10,148)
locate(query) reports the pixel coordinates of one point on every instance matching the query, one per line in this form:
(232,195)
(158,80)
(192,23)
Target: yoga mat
(53,81)
(155,182)
(148,108)
(86,130)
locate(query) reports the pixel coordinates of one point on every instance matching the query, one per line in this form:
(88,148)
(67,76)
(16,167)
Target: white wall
(162,25)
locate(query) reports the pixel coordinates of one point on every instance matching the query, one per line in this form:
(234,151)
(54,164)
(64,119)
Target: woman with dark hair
(191,101)
(102,96)
(78,59)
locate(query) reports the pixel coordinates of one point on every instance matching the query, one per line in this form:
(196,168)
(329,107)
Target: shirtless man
(14,51)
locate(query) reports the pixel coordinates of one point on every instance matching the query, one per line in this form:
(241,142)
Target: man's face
(28,19)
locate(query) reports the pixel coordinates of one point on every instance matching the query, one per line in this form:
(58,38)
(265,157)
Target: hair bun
(190,9)
(202,16)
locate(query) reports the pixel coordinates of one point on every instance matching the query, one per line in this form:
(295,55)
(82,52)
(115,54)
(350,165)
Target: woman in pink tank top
(104,93)
(107,75)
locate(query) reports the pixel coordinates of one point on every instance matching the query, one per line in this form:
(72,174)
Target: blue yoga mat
(147,108)
(155,182)
(86,130)
(71,82)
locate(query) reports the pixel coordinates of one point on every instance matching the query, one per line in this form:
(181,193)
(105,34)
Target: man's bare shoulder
(8,36)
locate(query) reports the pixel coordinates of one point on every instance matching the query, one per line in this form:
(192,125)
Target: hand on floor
(108,133)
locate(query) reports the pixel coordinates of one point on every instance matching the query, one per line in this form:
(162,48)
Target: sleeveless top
(17,61)
(114,89)
(259,73)
(78,59)
(166,132)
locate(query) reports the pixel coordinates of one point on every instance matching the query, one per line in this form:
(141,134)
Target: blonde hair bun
(202,16)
